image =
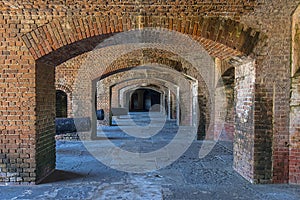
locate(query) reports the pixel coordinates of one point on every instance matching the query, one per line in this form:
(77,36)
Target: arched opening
(61,104)
(115,90)
(142,100)
(186,93)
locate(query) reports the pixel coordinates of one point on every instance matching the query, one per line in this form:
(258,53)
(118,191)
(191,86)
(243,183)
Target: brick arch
(144,56)
(125,76)
(68,90)
(139,84)
(155,73)
(150,56)
(221,37)
(172,61)
(171,84)
(155,88)
(133,84)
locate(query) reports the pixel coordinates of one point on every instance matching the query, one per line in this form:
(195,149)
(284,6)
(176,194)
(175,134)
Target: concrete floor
(79,175)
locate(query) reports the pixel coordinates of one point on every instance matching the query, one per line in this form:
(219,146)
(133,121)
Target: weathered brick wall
(173,106)
(103,100)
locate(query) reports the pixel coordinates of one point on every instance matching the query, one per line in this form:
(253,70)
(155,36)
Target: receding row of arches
(223,99)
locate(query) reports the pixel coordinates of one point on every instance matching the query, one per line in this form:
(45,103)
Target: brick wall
(65,76)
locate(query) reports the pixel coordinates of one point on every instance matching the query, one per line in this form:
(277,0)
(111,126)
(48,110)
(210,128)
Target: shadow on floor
(60,175)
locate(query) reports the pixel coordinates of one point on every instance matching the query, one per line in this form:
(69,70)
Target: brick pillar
(169,104)
(253,138)
(17,108)
(45,117)
(185,104)
(103,101)
(202,117)
(115,98)
(244,141)
(17,118)
(27,125)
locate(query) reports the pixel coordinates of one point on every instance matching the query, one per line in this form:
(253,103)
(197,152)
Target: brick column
(45,117)
(244,140)
(17,106)
(103,101)
(169,104)
(253,139)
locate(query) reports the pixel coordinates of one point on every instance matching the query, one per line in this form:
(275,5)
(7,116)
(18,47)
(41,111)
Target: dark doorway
(61,104)
(143,99)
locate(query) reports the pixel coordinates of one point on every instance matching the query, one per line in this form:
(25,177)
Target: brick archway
(48,44)
(172,61)
(51,45)
(221,37)
(150,71)
(125,89)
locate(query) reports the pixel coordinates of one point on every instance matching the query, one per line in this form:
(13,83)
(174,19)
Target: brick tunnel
(228,68)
